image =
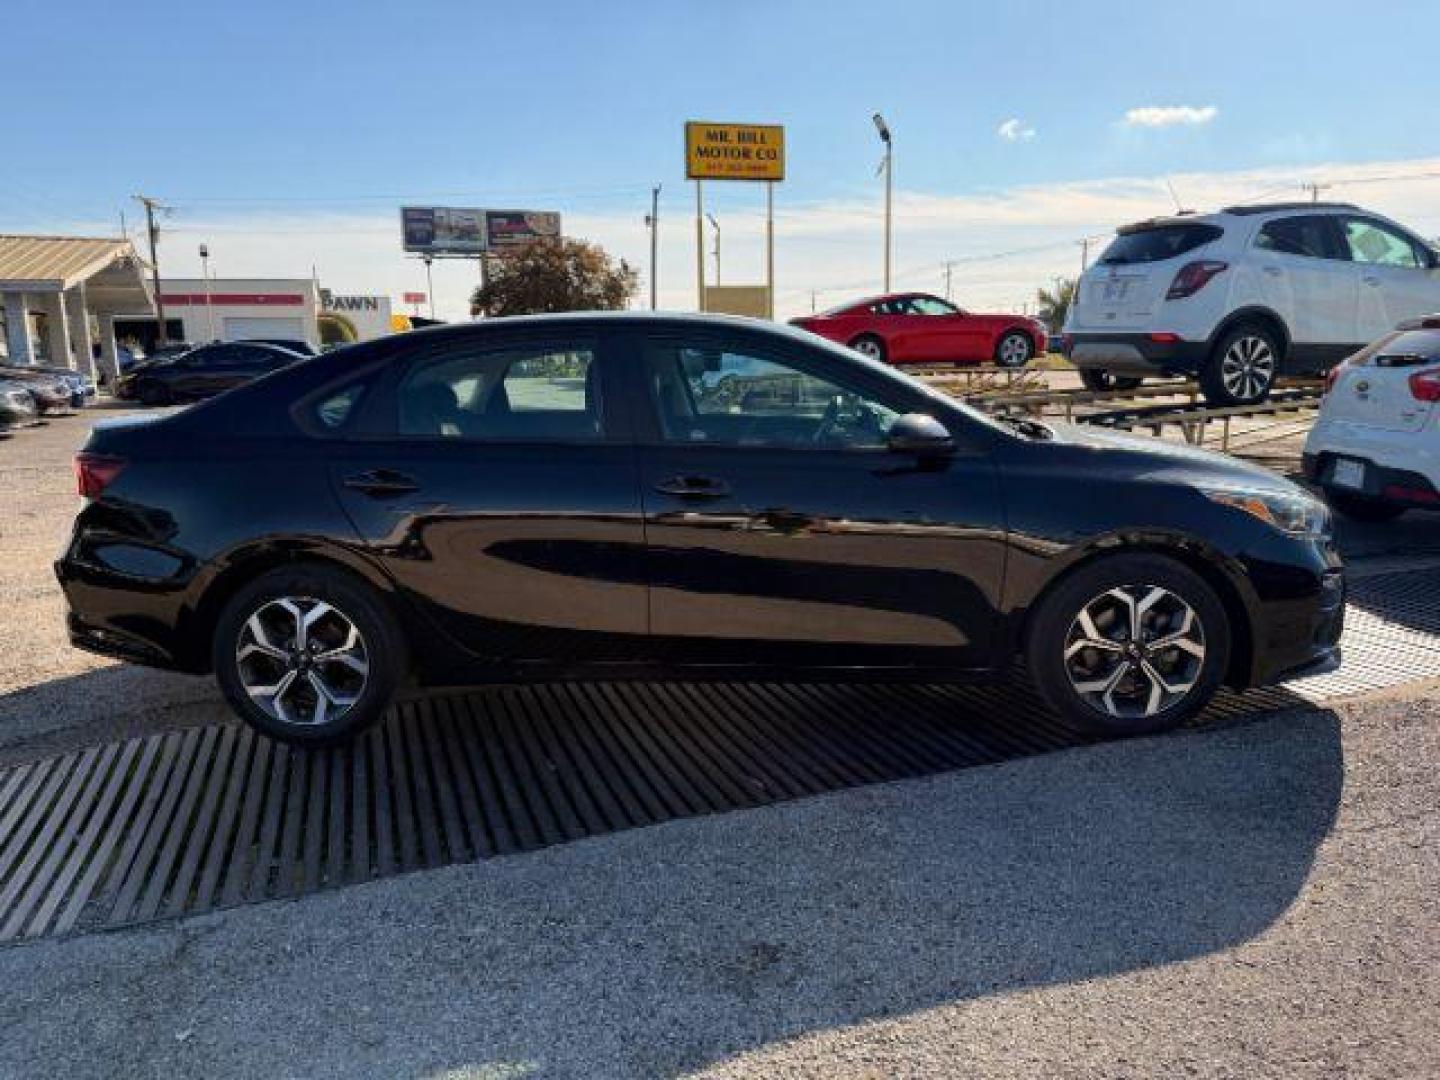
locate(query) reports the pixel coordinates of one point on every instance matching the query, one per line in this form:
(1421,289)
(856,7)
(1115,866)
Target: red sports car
(916,328)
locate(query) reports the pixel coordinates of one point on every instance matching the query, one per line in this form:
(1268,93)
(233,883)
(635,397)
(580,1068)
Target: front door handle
(378,483)
(694,487)
(1371,280)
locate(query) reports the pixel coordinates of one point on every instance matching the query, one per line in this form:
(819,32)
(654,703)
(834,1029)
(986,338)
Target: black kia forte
(626,496)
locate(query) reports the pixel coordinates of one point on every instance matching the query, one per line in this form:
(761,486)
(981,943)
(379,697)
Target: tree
(551,274)
(1054,304)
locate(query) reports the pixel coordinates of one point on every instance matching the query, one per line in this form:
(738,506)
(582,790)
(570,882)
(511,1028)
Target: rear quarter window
(1160,242)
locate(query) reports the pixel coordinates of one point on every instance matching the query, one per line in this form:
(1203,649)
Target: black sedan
(626,495)
(203,372)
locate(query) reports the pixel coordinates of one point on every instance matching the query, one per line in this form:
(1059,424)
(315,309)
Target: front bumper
(1300,635)
(1134,354)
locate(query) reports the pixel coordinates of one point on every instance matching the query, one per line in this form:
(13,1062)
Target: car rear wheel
(308,655)
(1242,368)
(869,345)
(1360,508)
(153,394)
(1013,350)
(1101,380)
(1129,645)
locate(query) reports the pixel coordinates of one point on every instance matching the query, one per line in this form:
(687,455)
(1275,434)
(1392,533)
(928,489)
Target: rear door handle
(1370,279)
(1273,271)
(693,487)
(379,483)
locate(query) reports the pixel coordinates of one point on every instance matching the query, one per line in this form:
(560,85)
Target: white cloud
(1160,116)
(1015,130)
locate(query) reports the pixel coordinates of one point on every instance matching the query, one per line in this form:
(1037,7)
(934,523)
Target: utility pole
(1315,190)
(653,224)
(151,205)
(888,165)
(949,266)
(1084,255)
(716,225)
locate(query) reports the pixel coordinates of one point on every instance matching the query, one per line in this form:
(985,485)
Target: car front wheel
(308,655)
(1013,350)
(1129,645)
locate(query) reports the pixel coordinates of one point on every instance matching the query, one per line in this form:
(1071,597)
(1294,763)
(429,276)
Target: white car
(1238,297)
(1375,448)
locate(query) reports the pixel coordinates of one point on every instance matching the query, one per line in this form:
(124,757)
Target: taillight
(1331,376)
(1425,385)
(95,472)
(1194,276)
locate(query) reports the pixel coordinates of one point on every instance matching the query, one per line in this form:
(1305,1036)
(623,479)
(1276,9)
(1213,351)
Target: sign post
(753,152)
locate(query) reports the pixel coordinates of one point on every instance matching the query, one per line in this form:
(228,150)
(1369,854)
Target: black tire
(1361,508)
(381,641)
(871,346)
(1243,366)
(1018,346)
(1059,612)
(153,394)
(1099,379)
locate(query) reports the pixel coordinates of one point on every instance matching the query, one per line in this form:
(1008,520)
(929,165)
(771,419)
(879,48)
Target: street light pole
(429,283)
(653,222)
(716,252)
(888,166)
(209,300)
(153,230)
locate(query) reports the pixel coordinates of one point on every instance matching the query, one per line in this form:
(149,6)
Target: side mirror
(917,433)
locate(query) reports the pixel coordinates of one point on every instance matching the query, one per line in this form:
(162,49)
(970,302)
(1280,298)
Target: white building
(231,309)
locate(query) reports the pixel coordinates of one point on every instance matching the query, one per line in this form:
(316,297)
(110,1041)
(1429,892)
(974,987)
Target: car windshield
(1146,244)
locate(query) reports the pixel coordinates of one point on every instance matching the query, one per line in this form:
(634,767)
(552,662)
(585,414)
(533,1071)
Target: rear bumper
(1383,483)
(1134,354)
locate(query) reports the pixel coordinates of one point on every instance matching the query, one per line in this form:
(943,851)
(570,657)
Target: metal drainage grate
(189,821)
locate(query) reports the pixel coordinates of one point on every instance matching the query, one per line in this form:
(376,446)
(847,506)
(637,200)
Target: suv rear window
(1156,243)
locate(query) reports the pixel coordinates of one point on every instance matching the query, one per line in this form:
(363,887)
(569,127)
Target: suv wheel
(1101,380)
(1243,366)
(1129,645)
(308,655)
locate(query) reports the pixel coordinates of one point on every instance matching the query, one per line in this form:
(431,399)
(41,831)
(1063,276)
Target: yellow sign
(734,151)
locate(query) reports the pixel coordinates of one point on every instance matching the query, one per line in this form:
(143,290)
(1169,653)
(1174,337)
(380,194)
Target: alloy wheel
(867,347)
(1134,651)
(1248,367)
(302,660)
(1014,351)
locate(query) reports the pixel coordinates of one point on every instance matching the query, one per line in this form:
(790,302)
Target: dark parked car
(621,495)
(202,373)
(52,392)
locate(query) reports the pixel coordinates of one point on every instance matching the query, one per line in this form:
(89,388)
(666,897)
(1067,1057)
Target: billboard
(511,228)
(734,151)
(443,230)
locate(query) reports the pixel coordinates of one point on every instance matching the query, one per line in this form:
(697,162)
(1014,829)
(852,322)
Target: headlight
(1296,514)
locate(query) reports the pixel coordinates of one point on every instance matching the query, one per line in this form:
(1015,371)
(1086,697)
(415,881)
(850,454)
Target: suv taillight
(1194,276)
(1425,385)
(95,472)
(1331,376)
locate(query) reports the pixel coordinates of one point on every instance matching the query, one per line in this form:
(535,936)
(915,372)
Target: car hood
(1172,461)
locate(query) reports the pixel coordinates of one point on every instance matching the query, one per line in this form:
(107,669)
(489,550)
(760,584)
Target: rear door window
(1147,244)
(1304,234)
(528,393)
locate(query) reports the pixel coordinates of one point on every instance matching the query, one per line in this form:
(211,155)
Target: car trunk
(1127,285)
(1376,391)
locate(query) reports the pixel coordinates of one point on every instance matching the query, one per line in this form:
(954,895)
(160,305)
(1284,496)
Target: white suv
(1238,297)
(1375,448)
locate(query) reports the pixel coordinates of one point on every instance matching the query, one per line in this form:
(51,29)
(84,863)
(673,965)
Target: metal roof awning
(111,271)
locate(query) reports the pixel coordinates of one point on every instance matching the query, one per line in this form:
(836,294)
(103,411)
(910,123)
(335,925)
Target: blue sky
(306,118)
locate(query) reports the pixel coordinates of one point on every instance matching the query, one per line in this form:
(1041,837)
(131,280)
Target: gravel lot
(1260,900)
